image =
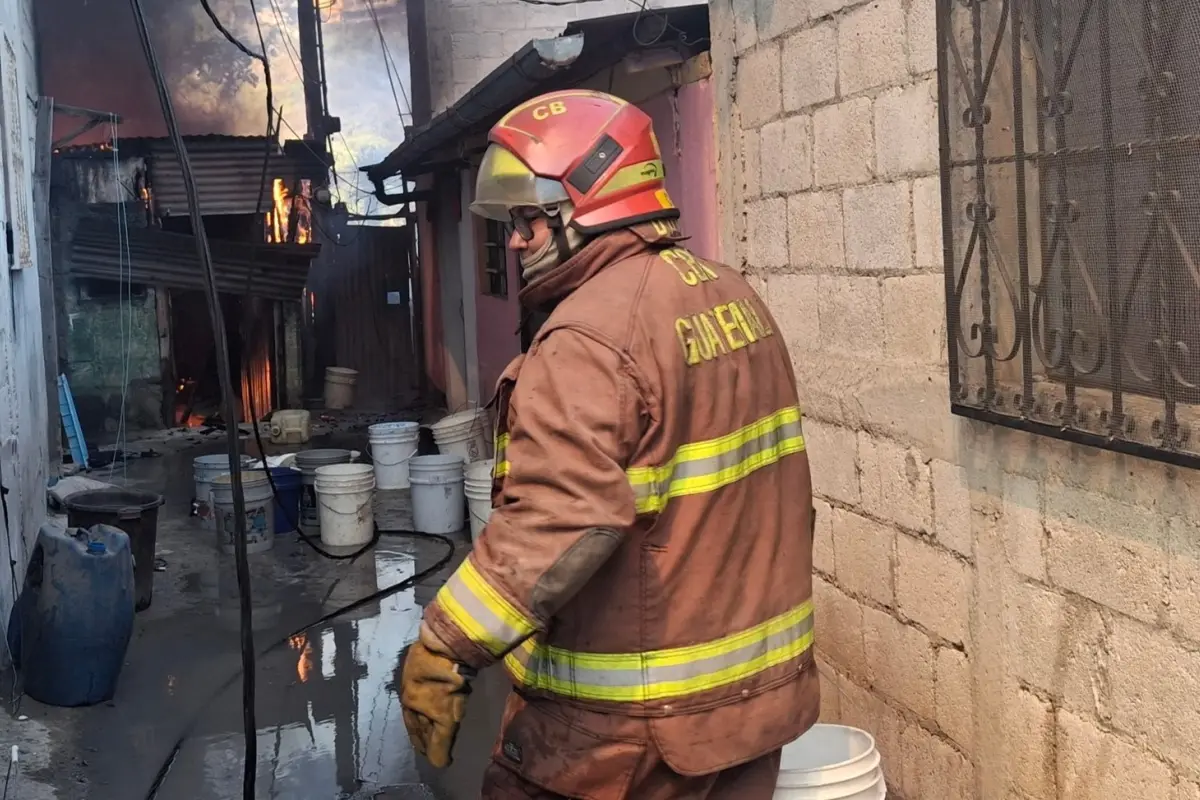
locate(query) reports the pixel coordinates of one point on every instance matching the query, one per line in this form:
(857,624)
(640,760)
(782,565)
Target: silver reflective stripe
(713,465)
(501,634)
(560,668)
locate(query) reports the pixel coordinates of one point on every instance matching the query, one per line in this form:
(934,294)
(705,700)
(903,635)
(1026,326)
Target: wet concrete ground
(328,718)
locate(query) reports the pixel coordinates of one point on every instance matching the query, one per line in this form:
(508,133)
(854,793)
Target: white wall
(23,412)
(469,38)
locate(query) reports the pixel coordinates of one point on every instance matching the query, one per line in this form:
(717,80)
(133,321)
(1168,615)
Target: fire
(279,227)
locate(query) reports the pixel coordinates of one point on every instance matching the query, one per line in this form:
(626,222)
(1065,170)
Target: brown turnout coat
(650,551)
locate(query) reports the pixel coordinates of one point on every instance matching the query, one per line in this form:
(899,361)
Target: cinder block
(906,133)
(838,631)
(895,482)
(866,711)
(844,143)
(823,559)
(927,222)
(914,318)
(1056,644)
(751,161)
(1183,570)
(1021,520)
(815,230)
(933,588)
(833,456)
(932,769)
(878,229)
(1113,553)
(851,315)
(823,8)
(899,661)
(786,155)
(910,405)
(922,36)
(952,507)
(1154,683)
(863,556)
(810,67)
(831,711)
(760,95)
(793,302)
(745,25)
(767,233)
(1096,763)
(1030,756)
(1186,790)
(776,17)
(871,49)
(954,697)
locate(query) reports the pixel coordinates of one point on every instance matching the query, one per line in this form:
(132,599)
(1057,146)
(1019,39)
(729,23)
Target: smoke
(91,58)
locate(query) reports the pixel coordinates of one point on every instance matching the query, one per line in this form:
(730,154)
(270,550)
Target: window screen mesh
(1071,206)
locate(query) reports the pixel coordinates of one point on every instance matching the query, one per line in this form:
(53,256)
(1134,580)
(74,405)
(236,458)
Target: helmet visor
(505,183)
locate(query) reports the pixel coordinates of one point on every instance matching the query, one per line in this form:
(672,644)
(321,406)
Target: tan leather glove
(433,696)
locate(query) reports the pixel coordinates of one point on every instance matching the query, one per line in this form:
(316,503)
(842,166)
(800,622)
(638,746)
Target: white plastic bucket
(392,445)
(291,427)
(260,511)
(477,486)
(464,434)
(345,494)
(204,470)
(308,462)
(831,762)
(437,493)
(339,387)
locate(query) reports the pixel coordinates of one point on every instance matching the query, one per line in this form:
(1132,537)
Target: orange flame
(279,221)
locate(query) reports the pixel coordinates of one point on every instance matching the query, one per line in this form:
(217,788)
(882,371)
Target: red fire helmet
(590,148)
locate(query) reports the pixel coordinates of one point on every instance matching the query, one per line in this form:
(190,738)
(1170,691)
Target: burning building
(138,345)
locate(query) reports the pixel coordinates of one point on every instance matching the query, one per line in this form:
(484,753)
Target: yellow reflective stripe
(633,175)
(705,466)
(502,464)
(481,612)
(663,674)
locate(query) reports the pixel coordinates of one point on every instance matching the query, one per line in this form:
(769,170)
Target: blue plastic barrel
(72,622)
(288,484)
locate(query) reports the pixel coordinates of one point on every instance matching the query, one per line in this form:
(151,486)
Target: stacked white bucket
(831,762)
(393,444)
(443,484)
(477,486)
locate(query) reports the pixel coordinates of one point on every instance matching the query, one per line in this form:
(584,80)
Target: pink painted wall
(690,159)
(497,323)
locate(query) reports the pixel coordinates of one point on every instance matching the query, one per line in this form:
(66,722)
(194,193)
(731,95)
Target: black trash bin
(136,513)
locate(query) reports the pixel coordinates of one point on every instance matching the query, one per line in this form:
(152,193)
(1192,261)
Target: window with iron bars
(1070,166)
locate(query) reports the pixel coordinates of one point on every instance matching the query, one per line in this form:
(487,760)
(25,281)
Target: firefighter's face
(531,231)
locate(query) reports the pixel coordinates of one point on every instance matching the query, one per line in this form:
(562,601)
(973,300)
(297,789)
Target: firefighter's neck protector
(564,241)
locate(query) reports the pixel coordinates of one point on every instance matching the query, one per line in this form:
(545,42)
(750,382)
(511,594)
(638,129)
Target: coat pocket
(499,406)
(553,748)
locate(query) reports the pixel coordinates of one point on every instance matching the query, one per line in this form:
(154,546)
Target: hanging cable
(249,725)
(389,64)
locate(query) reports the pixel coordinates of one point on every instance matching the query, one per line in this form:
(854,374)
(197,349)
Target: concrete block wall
(470,38)
(1013,617)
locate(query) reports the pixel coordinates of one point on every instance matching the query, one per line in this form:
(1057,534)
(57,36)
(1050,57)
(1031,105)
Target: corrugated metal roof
(228,170)
(228,173)
(544,65)
(274,271)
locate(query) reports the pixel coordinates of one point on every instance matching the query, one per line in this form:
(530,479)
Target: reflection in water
(330,723)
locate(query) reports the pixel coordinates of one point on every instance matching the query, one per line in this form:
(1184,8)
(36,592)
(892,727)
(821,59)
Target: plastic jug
(72,622)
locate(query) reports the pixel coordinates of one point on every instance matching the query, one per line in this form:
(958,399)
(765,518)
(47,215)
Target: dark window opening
(493,261)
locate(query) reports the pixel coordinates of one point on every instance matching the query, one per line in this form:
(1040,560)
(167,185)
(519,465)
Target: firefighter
(646,575)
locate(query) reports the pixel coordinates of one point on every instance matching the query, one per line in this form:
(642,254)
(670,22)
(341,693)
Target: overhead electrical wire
(389,64)
(224,374)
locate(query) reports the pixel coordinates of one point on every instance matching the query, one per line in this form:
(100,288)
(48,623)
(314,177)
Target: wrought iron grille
(1070,167)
